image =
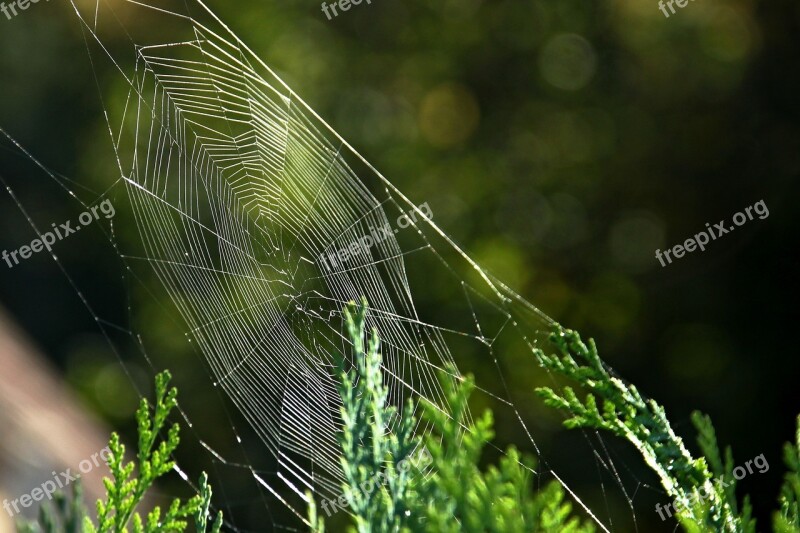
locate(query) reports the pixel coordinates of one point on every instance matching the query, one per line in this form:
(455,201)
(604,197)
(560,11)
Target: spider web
(254,214)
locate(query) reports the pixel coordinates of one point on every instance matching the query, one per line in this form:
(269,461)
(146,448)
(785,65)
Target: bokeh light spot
(448,115)
(633,240)
(568,61)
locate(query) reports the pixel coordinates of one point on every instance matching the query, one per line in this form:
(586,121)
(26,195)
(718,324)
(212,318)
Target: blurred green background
(559,142)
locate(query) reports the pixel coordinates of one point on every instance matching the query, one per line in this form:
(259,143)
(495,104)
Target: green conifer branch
(459,496)
(710,505)
(125,491)
(787,519)
(376,488)
(454,494)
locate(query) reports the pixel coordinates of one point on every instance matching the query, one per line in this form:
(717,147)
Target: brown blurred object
(43,427)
